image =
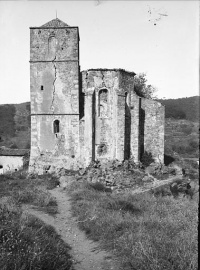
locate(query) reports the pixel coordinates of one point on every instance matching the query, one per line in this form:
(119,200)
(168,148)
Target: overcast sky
(160,38)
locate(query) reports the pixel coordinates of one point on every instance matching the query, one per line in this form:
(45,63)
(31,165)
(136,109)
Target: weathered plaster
(100,116)
(54,63)
(154,128)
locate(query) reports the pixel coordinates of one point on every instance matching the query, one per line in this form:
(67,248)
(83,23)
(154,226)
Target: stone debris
(186,187)
(115,176)
(65,181)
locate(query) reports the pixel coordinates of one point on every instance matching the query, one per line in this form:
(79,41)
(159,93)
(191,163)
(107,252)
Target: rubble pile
(117,176)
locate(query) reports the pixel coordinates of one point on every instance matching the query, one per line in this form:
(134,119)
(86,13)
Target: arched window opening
(103,103)
(52,46)
(56,126)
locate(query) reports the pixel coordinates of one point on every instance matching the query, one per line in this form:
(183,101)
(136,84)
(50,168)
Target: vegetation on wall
(141,87)
(147,159)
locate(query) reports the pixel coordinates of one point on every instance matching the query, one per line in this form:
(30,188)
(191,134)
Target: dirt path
(86,254)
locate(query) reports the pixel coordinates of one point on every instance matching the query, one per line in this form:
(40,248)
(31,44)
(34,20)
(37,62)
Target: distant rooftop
(13,152)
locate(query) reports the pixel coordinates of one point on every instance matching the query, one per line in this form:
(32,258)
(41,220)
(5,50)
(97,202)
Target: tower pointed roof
(55,23)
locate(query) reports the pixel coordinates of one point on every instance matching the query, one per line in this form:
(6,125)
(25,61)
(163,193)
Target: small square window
(42,87)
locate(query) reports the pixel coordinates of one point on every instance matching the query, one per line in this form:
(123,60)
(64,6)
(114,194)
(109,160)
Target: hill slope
(182,108)
(181,127)
(15,125)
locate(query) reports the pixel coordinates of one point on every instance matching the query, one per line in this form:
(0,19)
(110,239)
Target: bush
(147,159)
(102,149)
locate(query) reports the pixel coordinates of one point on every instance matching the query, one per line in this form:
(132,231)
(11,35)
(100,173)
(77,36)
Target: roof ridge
(55,23)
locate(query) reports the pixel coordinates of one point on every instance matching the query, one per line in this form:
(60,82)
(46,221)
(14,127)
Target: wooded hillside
(182,108)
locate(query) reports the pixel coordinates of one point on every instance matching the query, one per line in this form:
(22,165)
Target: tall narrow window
(56,126)
(103,103)
(52,46)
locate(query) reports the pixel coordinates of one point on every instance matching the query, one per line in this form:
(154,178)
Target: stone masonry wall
(54,150)
(59,93)
(54,44)
(131,115)
(54,63)
(115,132)
(100,114)
(154,115)
(135,127)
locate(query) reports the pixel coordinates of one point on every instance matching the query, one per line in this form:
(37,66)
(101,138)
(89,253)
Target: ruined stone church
(81,116)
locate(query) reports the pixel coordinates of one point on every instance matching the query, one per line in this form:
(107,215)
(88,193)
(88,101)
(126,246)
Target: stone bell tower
(54,83)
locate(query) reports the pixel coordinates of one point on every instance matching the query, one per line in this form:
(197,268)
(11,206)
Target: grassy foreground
(27,190)
(143,231)
(26,243)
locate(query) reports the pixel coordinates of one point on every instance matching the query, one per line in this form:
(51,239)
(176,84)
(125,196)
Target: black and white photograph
(99,134)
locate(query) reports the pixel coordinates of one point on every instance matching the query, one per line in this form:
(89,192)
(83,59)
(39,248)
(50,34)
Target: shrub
(98,186)
(147,159)
(102,149)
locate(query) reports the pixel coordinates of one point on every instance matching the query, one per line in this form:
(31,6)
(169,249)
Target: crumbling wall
(126,86)
(54,149)
(82,142)
(110,133)
(54,88)
(153,113)
(135,115)
(54,97)
(65,42)
(99,87)
(77,118)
